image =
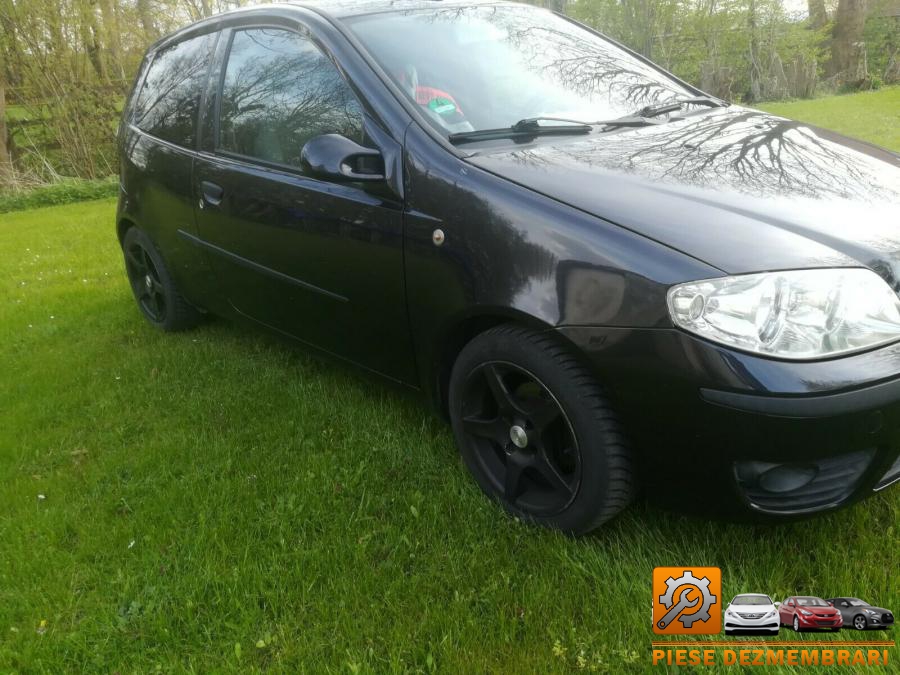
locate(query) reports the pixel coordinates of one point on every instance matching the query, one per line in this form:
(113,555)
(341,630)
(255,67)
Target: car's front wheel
(156,293)
(796,624)
(537,432)
(859,622)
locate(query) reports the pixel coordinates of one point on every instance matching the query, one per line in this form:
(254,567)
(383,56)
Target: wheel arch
(465,328)
(122,226)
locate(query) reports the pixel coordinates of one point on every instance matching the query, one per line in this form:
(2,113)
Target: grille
(892,475)
(887,617)
(749,616)
(825,622)
(834,481)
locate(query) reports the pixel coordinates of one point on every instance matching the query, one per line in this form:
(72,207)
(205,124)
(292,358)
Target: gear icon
(688,579)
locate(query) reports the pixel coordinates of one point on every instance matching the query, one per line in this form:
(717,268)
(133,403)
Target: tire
(859,622)
(572,473)
(796,624)
(154,290)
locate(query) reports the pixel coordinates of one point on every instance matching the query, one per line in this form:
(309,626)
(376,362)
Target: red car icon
(805,612)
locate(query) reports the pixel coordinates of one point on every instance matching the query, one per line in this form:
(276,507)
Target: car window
(169,97)
(755,600)
(487,66)
(811,602)
(279,91)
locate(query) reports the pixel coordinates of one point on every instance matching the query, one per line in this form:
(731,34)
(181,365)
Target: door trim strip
(256,267)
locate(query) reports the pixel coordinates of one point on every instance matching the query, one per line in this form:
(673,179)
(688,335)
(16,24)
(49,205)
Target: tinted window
(167,103)
(280,90)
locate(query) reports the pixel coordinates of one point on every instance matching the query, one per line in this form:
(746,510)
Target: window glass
(167,104)
(487,66)
(280,91)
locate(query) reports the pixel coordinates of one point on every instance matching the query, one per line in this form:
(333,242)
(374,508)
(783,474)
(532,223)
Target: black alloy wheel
(145,282)
(524,441)
(536,431)
(154,289)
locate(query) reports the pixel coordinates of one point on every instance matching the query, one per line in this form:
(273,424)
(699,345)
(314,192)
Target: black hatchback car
(601,275)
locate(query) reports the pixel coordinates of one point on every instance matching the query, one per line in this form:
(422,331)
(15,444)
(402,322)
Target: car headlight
(771,614)
(872,612)
(802,314)
(805,612)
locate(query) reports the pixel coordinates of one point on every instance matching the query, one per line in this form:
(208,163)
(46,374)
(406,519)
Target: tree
(818,17)
(848,51)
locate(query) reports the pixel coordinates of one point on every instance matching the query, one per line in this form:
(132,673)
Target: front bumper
(735,622)
(816,622)
(721,431)
(884,620)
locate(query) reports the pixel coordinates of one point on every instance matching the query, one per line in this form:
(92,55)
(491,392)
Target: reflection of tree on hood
(741,149)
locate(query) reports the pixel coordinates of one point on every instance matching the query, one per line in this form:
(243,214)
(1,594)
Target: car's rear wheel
(537,432)
(155,291)
(796,624)
(859,622)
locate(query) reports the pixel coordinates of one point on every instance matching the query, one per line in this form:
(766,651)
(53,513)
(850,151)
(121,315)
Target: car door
(843,606)
(317,259)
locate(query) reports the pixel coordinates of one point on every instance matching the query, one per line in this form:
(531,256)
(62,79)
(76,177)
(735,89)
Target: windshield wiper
(646,115)
(678,104)
(531,126)
(525,128)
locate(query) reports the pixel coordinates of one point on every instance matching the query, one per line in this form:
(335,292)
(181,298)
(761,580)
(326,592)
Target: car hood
(880,610)
(821,611)
(739,189)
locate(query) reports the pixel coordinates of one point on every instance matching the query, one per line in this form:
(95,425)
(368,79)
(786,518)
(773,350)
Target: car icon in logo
(806,612)
(752,612)
(861,614)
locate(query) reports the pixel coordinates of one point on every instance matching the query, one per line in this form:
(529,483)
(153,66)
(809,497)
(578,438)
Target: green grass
(63,192)
(218,501)
(872,116)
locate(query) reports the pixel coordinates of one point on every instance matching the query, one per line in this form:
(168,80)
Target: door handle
(211,192)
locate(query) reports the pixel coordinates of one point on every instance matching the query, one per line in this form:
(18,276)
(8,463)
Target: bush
(63,192)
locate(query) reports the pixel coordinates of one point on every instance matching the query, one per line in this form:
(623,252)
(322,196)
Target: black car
(599,274)
(861,615)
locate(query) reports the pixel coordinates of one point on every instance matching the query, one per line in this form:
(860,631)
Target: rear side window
(167,103)
(279,91)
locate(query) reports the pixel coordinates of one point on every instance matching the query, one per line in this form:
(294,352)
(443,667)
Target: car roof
(346,8)
(334,10)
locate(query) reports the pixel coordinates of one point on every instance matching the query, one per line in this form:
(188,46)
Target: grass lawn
(218,501)
(873,116)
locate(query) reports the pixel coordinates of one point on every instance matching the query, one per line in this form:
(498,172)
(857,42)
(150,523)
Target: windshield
(855,602)
(811,602)
(485,67)
(752,600)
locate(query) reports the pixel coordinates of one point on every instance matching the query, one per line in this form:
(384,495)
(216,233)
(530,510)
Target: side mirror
(335,157)
(778,604)
(830,603)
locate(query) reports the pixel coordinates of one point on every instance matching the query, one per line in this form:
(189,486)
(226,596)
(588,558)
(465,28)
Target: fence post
(5,159)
